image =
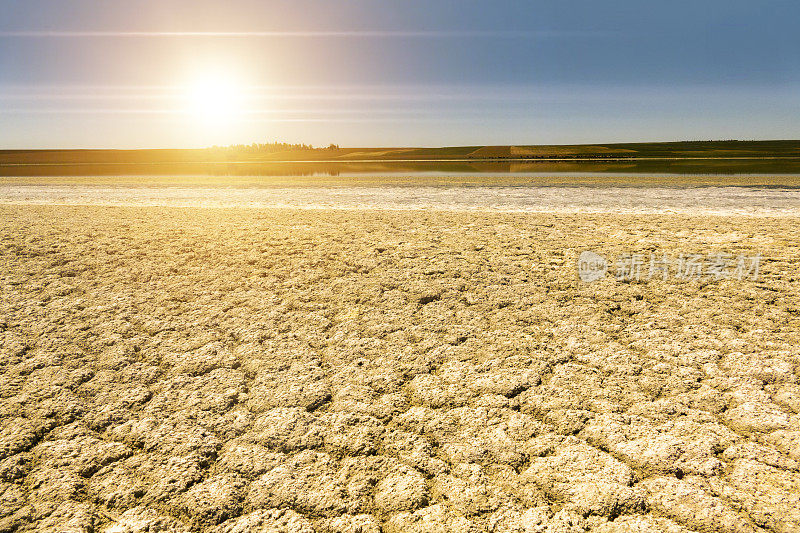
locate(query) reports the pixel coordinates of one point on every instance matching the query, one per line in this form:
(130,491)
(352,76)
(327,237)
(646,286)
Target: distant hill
(682,150)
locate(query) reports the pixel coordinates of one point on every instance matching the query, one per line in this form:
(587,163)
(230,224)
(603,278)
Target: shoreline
(643,200)
(476,211)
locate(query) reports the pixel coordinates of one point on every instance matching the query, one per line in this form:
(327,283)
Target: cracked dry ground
(243,370)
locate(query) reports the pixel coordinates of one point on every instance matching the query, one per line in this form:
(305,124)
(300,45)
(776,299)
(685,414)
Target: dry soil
(170,370)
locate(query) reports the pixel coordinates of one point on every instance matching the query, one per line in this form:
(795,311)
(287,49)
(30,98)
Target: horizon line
(379,147)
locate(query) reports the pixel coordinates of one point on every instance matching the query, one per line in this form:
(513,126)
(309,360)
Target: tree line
(271,147)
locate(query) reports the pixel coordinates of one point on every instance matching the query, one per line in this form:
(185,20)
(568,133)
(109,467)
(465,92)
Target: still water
(686,187)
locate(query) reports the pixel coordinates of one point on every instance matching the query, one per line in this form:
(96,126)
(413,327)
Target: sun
(215,99)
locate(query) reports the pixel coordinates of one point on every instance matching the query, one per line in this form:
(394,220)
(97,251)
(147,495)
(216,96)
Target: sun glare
(216,100)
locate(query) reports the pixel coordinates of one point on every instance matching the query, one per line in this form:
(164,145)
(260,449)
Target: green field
(685,149)
(712,158)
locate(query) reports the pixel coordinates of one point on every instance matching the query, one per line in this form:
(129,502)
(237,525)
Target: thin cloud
(270,112)
(354,33)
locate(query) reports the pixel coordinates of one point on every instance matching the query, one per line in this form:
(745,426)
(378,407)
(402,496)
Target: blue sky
(395,73)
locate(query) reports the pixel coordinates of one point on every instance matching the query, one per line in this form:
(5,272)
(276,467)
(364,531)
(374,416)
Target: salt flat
(707,200)
(212,369)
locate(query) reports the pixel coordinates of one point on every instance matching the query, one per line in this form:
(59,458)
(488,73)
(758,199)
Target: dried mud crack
(236,370)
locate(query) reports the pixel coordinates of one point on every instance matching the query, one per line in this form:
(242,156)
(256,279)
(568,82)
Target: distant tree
(272,147)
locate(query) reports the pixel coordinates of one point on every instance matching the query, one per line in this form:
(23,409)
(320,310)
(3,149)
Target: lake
(685,187)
